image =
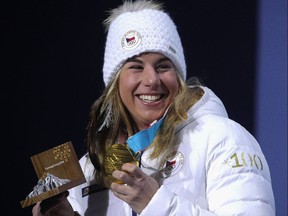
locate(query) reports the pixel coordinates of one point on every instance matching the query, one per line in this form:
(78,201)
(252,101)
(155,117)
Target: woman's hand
(138,189)
(54,206)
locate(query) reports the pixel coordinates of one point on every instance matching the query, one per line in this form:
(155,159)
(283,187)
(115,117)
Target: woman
(157,146)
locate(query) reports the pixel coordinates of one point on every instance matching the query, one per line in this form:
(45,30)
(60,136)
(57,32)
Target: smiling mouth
(150,98)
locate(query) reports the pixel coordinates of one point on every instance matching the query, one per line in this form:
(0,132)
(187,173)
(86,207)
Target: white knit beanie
(133,33)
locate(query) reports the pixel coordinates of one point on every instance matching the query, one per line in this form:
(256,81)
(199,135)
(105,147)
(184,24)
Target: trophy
(58,170)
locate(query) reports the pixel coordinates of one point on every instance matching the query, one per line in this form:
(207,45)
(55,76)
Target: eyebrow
(134,59)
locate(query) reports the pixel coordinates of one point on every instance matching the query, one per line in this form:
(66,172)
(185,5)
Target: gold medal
(116,155)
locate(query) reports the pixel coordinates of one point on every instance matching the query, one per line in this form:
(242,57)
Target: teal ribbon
(141,140)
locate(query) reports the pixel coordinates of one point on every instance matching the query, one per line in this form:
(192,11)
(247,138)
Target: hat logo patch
(171,165)
(131,40)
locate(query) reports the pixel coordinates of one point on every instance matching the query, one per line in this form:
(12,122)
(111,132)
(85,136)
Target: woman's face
(148,84)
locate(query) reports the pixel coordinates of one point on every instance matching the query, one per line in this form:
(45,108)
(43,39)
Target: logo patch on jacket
(171,165)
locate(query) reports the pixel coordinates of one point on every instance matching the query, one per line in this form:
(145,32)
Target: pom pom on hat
(133,33)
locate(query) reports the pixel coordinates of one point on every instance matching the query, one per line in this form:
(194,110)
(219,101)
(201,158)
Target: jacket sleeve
(165,202)
(237,179)
(238,176)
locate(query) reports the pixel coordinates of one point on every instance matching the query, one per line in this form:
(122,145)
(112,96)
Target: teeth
(149,97)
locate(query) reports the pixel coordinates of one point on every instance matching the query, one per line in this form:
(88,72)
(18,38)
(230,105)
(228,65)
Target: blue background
(271,94)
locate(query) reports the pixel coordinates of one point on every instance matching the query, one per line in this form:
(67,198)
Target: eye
(136,67)
(133,66)
(165,66)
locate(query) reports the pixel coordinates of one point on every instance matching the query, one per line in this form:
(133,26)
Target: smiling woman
(155,140)
(147,85)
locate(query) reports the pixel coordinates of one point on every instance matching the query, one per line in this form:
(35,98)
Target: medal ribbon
(141,140)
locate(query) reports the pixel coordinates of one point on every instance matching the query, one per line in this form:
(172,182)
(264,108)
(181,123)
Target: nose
(151,77)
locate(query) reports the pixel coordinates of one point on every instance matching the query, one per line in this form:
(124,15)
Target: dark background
(51,72)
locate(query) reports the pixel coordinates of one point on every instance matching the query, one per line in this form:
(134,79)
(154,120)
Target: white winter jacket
(216,168)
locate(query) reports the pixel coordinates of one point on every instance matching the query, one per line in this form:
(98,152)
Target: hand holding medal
(116,155)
